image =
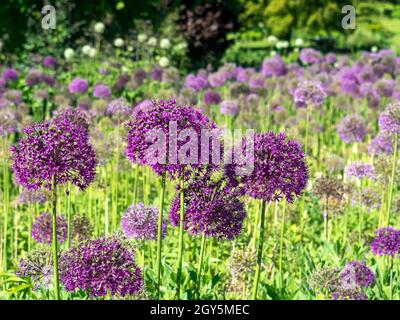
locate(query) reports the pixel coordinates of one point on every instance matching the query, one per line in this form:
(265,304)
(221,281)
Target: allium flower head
(59,149)
(10,75)
(140,75)
(386,242)
(325,279)
(309,93)
(32,196)
(389,121)
(119,107)
(274,67)
(349,294)
(328,187)
(42,229)
(310,56)
(150,127)
(229,107)
(360,170)
(50,62)
(210,209)
(352,128)
(357,275)
(196,82)
(280,169)
(140,222)
(78,85)
(33,77)
(381,144)
(100,267)
(8,122)
(101,91)
(211,97)
(81,228)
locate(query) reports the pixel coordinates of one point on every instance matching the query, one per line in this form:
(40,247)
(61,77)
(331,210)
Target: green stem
(180,253)
(159,235)
(260,251)
(390,198)
(54,242)
(202,249)
(281,244)
(69,217)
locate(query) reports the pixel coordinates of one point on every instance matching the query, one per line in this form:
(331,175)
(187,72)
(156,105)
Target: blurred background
(204,31)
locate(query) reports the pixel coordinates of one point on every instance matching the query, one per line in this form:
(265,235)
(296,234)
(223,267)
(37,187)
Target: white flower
(163,62)
(92,52)
(181,46)
(152,42)
(86,49)
(142,37)
(129,48)
(118,42)
(165,43)
(282,44)
(69,53)
(272,39)
(374,49)
(99,27)
(299,42)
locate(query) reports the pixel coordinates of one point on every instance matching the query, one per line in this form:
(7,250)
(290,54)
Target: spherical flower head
(71,116)
(118,42)
(357,275)
(389,121)
(69,54)
(257,82)
(145,105)
(50,62)
(360,170)
(163,62)
(140,75)
(385,87)
(309,93)
(153,133)
(119,107)
(32,197)
(58,150)
(229,107)
(81,228)
(352,128)
(8,122)
(310,56)
(78,85)
(196,82)
(211,97)
(210,209)
(14,96)
(99,27)
(140,222)
(349,294)
(280,169)
(33,77)
(101,91)
(330,58)
(165,43)
(142,37)
(274,67)
(42,229)
(101,267)
(244,74)
(386,242)
(383,143)
(48,79)
(10,75)
(157,73)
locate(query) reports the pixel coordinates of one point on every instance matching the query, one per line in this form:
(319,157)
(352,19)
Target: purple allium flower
(309,93)
(140,75)
(217,79)
(360,170)
(274,67)
(101,91)
(32,196)
(349,294)
(210,208)
(386,242)
(34,77)
(78,85)
(81,228)
(357,275)
(211,97)
(73,117)
(196,82)
(15,96)
(229,107)
(121,82)
(389,121)
(119,107)
(10,75)
(381,144)
(140,222)
(310,56)
(42,229)
(330,58)
(366,75)
(385,87)
(157,73)
(257,81)
(280,169)
(244,74)
(100,267)
(59,149)
(48,79)
(8,122)
(50,62)
(352,128)
(145,105)
(165,121)
(349,81)
(38,265)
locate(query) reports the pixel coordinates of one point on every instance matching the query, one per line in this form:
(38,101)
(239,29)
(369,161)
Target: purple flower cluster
(101,91)
(309,93)
(280,169)
(360,170)
(389,121)
(357,274)
(78,85)
(32,196)
(58,149)
(310,56)
(210,209)
(42,229)
(352,128)
(196,82)
(149,128)
(274,67)
(140,222)
(211,97)
(50,62)
(386,242)
(100,267)
(381,144)
(119,107)
(229,107)
(10,75)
